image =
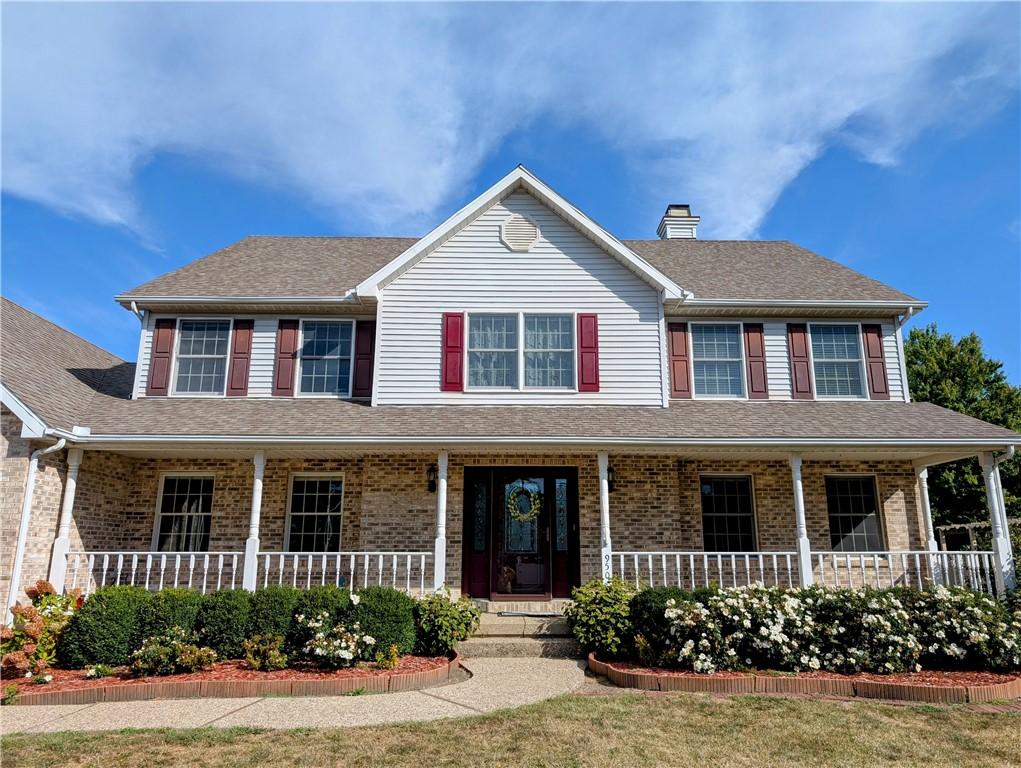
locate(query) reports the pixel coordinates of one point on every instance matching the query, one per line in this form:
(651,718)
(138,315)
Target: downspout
(26,516)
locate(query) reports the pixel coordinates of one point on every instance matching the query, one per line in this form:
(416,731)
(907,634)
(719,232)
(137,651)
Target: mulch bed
(925,677)
(227,671)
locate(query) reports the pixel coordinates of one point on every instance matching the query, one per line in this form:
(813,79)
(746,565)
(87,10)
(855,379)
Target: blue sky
(137,138)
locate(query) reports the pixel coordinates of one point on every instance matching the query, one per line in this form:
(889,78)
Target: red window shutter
(875,362)
(755,357)
(160,357)
(365,343)
(801,367)
(286,357)
(452,362)
(588,353)
(240,358)
(680,360)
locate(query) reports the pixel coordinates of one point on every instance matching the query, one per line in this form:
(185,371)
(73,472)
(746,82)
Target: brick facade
(655,505)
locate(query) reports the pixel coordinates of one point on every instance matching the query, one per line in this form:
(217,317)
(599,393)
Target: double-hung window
(521,351)
(717,360)
(837,361)
(728,517)
(202,357)
(185,511)
(325,364)
(315,513)
(853,514)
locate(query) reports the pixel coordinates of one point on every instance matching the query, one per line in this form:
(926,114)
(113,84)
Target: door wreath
(534,505)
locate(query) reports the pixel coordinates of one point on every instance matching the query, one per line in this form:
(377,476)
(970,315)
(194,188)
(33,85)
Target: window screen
(836,357)
(716,354)
(202,356)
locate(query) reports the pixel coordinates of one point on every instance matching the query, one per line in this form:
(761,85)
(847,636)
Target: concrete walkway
(495,684)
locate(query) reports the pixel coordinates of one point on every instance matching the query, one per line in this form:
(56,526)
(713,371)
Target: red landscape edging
(389,682)
(811,686)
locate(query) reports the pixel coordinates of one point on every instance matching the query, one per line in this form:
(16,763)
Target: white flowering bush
(334,645)
(961,629)
(793,630)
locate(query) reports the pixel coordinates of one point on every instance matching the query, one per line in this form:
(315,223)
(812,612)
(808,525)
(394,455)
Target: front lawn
(614,730)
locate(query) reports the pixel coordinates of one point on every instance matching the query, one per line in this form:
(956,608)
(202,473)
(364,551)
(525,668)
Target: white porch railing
(908,568)
(690,570)
(206,571)
(920,569)
(407,571)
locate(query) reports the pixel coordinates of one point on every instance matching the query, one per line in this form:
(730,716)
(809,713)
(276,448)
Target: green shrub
(177,607)
(600,617)
(388,659)
(329,599)
(105,630)
(272,610)
(265,652)
(442,623)
(222,621)
(652,641)
(388,616)
(171,652)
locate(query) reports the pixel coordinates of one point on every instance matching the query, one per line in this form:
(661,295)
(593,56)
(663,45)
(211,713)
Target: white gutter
(26,516)
(807,303)
(138,313)
(131,302)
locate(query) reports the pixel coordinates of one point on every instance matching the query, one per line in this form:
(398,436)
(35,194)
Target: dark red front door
(520,532)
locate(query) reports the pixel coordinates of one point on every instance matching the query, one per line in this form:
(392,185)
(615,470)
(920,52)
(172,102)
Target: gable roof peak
(519,178)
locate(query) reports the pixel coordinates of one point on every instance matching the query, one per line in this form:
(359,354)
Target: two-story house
(511,405)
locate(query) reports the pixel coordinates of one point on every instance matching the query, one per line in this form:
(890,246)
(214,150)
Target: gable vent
(518,233)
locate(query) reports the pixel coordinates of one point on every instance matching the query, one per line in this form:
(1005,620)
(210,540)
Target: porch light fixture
(611,479)
(430,475)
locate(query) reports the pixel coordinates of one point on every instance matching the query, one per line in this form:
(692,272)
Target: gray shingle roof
(692,420)
(54,372)
(330,266)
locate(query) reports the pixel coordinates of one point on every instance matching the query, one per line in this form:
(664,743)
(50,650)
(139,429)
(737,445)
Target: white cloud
(382,114)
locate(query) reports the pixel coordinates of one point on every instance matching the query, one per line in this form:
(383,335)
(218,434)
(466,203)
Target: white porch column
(605,546)
(248,579)
(803,546)
(440,546)
(61,545)
(1002,554)
(922,473)
(1003,508)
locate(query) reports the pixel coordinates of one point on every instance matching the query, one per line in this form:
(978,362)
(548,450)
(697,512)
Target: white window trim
(755,509)
(154,541)
(301,344)
(325,475)
(880,512)
(861,363)
(744,363)
(573,389)
(177,356)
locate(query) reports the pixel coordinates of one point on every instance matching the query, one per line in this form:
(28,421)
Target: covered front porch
(545,522)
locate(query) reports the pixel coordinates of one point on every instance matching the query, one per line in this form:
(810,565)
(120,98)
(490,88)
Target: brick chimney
(678,223)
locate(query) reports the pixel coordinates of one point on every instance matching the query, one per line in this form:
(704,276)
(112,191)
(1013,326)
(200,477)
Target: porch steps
(544,607)
(522,636)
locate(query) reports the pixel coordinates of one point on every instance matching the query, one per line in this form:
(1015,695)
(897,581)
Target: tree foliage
(957,375)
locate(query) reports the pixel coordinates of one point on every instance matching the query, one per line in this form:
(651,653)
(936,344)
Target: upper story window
(716,355)
(325,359)
(837,361)
(202,356)
(549,351)
(515,351)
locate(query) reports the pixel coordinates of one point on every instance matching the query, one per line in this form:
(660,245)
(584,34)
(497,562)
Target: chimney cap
(678,222)
(678,209)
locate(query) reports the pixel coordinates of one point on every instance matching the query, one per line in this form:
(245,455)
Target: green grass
(620,730)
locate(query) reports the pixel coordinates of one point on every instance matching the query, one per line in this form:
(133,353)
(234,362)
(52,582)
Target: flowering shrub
(28,646)
(99,670)
(171,652)
(958,628)
(334,645)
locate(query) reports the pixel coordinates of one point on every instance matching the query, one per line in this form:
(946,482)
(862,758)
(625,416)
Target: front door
(520,532)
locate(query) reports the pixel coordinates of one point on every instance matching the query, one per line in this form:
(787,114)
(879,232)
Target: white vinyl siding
(264,344)
(894,375)
(778,364)
(144,355)
(563,273)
